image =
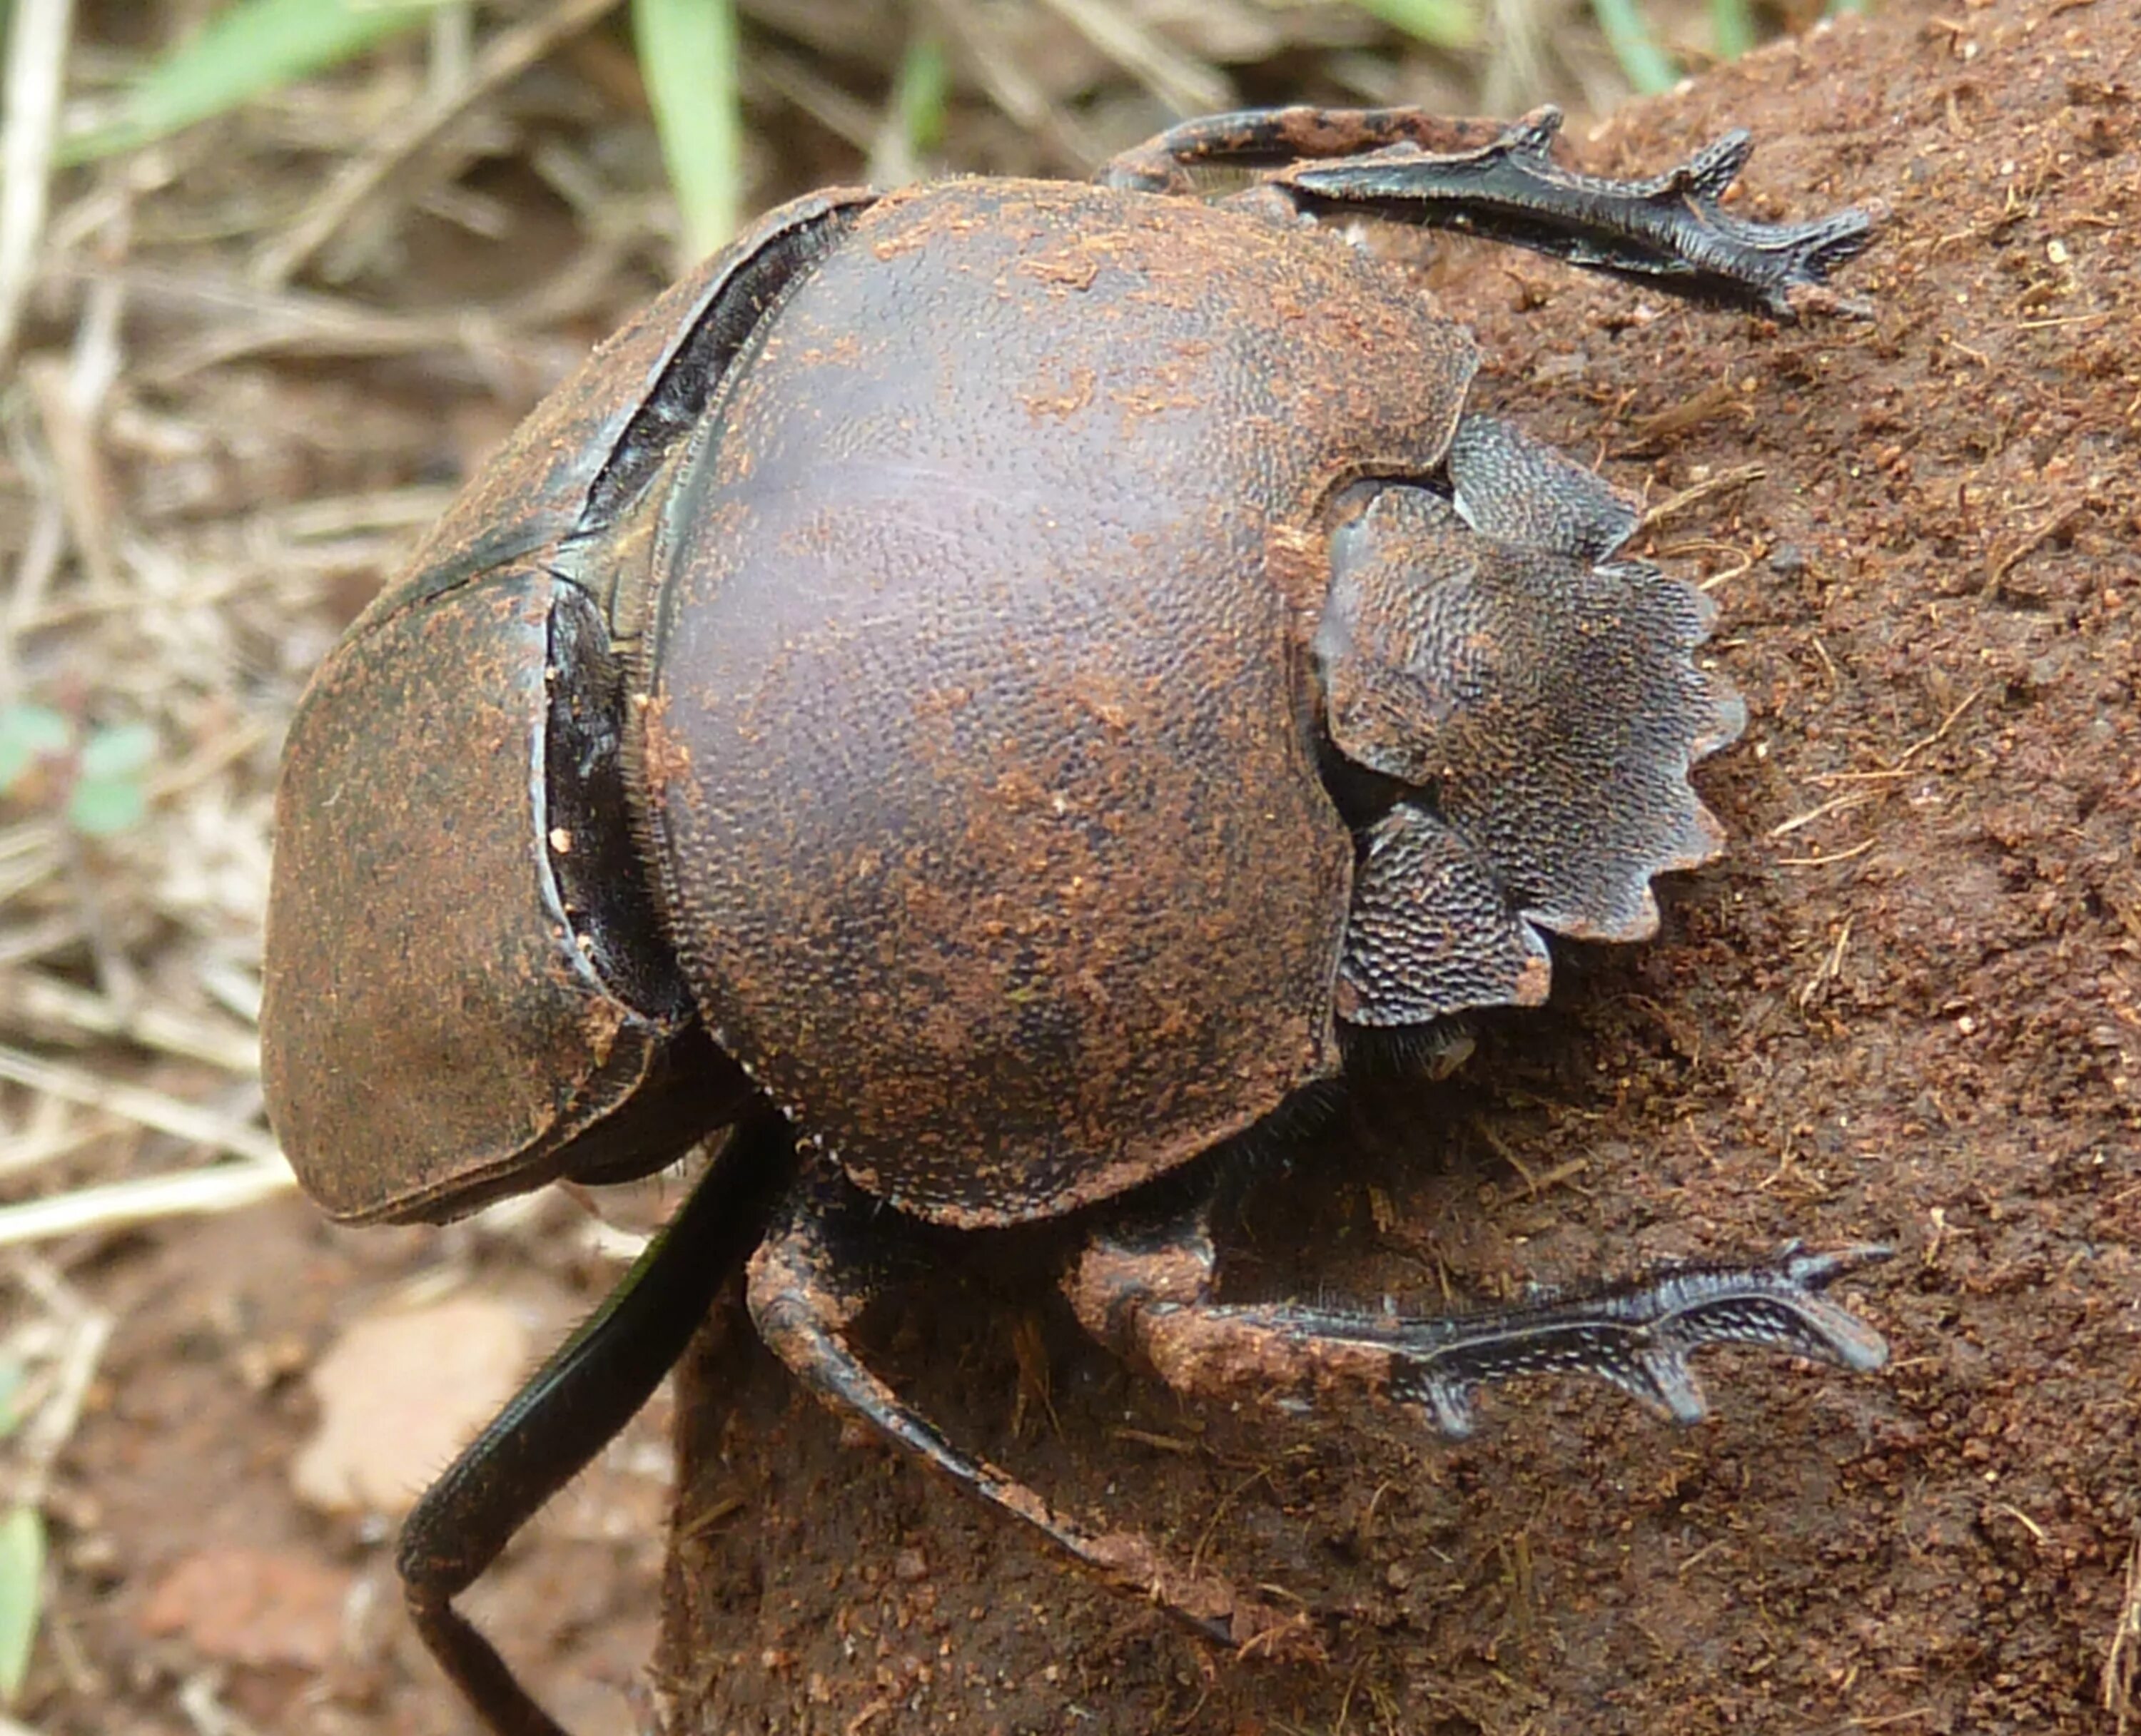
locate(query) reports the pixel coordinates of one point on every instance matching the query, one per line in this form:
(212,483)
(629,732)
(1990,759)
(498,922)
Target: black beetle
(986,691)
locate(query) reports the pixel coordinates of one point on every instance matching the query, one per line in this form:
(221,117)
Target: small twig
(1834,805)
(1855,851)
(2000,568)
(1719,398)
(2122,1663)
(1724,482)
(1158,1443)
(1831,968)
(1887,773)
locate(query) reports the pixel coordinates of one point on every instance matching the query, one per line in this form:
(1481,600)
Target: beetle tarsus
(472,1663)
(1638,1335)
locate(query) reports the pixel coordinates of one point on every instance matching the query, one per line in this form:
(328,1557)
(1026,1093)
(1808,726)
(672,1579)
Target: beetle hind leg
(1670,229)
(818,1269)
(1405,166)
(1150,1296)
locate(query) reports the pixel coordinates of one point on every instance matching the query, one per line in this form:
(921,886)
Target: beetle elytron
(986,692)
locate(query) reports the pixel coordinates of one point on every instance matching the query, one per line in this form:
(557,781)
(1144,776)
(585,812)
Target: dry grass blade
(119,1205)
(37,68)
(1185,83)
(151,1108)
(2122,1663)
(509,54)
(37,995)
(1010,86)
(85,1330)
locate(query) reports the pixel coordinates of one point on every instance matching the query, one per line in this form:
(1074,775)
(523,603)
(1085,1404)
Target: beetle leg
(814,1275)
(1152,1298)
(1501,181)
(572,1407)
(1670,229)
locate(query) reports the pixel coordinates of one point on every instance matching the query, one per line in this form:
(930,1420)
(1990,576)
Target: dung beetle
(987,693)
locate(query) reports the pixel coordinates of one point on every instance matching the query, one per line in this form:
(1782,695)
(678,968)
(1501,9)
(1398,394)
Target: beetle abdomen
(980,741)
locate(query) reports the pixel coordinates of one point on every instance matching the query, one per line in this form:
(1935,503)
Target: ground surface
(1907,1008)
(1904,1008)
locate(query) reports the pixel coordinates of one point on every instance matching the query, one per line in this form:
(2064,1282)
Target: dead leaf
(252,1607)
(400,1394)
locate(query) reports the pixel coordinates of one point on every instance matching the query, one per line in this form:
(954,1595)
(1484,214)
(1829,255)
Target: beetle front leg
(811,1280)
(1150,1296)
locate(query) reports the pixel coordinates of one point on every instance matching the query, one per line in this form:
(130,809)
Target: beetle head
(467,992)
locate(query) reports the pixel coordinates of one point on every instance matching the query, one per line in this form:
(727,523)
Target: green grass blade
(1731,28)
(1439,23)
(921,94)
(688,55)
(1642,62)
(22,1595)
(246,50)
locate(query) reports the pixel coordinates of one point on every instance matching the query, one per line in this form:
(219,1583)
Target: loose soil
(1905,1008)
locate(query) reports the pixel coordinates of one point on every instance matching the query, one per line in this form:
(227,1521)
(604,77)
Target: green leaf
(104,807)
(119,751)
(688,55)
(250,48)
(1642,62)
(22,1595)
(1440,23)
(28,734)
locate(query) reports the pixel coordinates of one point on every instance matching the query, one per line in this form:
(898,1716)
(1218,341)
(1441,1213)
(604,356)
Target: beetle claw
(1638,1335)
